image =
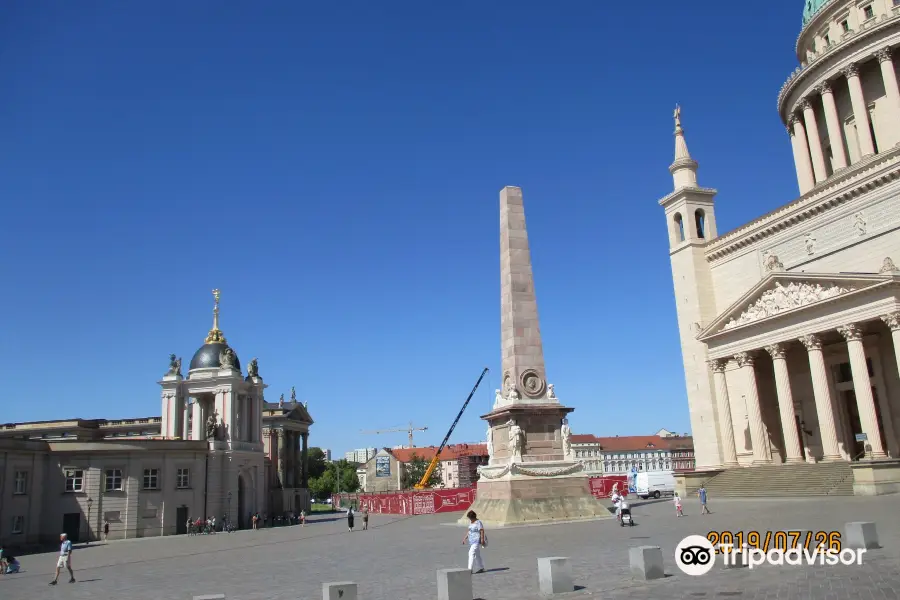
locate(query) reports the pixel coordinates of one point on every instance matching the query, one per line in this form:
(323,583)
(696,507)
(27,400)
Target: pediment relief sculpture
(783,298)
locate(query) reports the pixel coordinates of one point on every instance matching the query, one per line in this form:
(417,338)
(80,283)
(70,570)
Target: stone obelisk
(531,476)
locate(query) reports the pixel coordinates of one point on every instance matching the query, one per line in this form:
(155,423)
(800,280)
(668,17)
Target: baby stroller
(625,515)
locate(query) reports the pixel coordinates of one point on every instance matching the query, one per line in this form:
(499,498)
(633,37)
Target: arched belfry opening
(700,222)
(679,227)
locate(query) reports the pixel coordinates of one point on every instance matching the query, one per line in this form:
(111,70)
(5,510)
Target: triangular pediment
(290,411)
(781,293)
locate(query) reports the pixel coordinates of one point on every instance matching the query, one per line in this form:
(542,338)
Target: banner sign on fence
(414,503)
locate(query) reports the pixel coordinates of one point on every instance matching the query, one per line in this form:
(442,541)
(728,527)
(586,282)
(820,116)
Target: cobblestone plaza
(398,557)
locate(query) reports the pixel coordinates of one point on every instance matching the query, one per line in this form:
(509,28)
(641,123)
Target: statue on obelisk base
(531,476)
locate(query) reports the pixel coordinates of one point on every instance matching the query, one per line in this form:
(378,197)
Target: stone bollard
(861,534)
(646,562)
(341,590)
(210,597)
(555,575)
(454,584)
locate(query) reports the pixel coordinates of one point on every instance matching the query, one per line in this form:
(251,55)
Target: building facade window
(18,524)
(74,480)
(151,479)
(183,479)
(868,12)
(113,479)
(21,482)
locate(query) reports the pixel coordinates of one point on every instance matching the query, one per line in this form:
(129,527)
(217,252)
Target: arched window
(700,219)
(679,228)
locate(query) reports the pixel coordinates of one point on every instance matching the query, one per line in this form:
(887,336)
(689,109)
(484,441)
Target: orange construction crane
(408,430)
(423,483)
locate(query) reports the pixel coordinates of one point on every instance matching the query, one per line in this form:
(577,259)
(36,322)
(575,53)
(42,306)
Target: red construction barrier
(426,502)
(601,487)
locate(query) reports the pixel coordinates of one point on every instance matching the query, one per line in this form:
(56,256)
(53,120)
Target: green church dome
(811,7)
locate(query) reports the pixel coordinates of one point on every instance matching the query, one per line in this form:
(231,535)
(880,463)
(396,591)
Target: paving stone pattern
(398,557)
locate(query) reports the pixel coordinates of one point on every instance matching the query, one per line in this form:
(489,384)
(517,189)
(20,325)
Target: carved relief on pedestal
(888,267)
(532,383)
(771,262)
(810,243)
(516,443)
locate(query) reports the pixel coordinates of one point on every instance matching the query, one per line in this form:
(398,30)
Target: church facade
(219,449)
(790,324)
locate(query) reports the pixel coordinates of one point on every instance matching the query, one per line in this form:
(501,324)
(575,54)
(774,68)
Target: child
(476,540)
(12,565)
(303,518)
(678,510)
(366,518)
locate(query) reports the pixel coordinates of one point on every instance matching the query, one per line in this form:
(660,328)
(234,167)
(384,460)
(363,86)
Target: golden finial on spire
(215,335)
(677,116)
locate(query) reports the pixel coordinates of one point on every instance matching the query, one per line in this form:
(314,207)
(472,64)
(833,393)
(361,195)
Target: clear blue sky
(334,168)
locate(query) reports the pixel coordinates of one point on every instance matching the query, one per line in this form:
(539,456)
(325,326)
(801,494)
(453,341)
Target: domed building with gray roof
(790,324)
(217,449)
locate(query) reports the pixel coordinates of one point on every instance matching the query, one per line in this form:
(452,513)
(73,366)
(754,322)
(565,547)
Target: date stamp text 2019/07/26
(763,541)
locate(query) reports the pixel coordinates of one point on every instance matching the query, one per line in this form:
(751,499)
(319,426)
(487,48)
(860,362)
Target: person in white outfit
(476,540)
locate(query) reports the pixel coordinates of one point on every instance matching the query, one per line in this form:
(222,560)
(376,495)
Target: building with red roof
(619,454)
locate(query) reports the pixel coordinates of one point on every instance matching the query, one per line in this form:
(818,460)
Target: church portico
(846,328)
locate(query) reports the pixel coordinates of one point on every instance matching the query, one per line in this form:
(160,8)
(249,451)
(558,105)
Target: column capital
(793,120)
(280,433)
(824,88)
(744,359)
(883,55)
(851,70)
(777,351)
(717,365)
(892,320)
(811,341)
(851,332)
(805,105)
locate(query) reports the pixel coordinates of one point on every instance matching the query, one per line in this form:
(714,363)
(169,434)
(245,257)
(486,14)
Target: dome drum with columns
(790,324)
(841,106)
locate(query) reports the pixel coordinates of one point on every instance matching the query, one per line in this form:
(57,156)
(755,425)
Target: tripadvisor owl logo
(695,555)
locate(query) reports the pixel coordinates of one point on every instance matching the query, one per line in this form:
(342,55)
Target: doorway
(72,526)
(181,517)
(242,503)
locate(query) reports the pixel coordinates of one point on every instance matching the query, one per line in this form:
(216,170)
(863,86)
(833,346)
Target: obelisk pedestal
(531,477)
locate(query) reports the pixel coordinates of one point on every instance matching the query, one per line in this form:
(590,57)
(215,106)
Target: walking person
(303,518)
(105,531)
(476,539)
(678,510)
(350,519)
(366,519)
(65,559)
(704,509)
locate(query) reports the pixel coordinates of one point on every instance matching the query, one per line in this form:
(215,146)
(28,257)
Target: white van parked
(654,485)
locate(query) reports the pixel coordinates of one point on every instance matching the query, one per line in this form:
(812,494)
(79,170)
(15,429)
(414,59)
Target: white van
(654,484)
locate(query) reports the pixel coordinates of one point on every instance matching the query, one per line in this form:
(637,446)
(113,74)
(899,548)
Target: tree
(321,488)
(315,462)
(347,471)
(413,471)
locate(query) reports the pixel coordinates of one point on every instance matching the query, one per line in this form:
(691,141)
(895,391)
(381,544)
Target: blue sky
(334,169)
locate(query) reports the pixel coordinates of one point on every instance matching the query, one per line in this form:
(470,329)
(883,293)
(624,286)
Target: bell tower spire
(684,169)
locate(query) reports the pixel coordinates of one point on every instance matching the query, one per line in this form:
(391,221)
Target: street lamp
(90,503)
(228,514)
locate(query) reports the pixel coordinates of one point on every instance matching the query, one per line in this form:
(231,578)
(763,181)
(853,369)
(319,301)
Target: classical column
(892,92)
(186,433)
(860,110)
(785,404)
(761,450)
(281,472)
(815,142)
(304,460)
(802,163)
(729,452)
(198,424)
(298,462)
(862,387)
(822,394)
(833,125)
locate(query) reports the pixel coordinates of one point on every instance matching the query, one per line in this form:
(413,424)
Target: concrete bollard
(340,590)
(861,534)
(210,597)
(646,562)
(555,575)
(735,559)
(454,584)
